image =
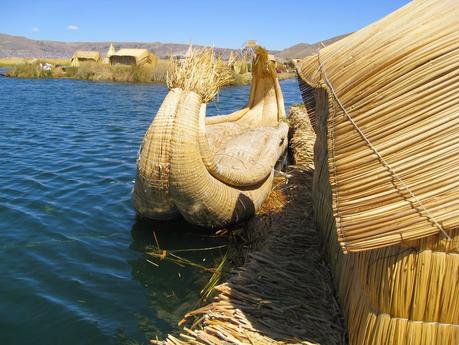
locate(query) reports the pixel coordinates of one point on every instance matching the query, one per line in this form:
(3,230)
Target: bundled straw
(262,66)
(200,72)
(385,108)
(391,116)
(302,137)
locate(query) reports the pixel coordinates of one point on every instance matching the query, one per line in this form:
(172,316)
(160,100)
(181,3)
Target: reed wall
(402,294)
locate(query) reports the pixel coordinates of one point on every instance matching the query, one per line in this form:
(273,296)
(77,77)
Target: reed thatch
(250,44)
(301,136)
(133,57)
(240,67)
(390,108)
(84,56)
(110,52)
(385,110)
(283,293)
(213,171)
(403,294)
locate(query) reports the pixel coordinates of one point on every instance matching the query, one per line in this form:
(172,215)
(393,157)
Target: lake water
(72,253)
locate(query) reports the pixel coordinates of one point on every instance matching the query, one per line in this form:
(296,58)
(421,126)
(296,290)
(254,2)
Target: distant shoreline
(21,68)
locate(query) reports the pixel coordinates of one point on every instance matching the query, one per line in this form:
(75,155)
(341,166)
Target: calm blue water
(73,268)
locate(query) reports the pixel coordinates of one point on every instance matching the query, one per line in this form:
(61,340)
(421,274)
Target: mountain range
(19,46)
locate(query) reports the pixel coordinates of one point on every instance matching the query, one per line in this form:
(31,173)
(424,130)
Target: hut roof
(111,50)
(140,55)
(81,54)
(250,44)
(387,97)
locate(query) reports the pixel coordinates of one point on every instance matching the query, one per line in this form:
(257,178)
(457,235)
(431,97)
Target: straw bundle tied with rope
(385,108)
(391,111)
(213,171)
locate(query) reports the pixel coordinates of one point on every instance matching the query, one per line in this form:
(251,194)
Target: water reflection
(72,255)
(173,290)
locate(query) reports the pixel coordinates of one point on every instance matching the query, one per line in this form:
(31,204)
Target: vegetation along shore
(96,71)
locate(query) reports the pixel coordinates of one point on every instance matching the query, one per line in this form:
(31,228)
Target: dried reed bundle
(239,63)
(200,72)
(403,294)
(385,111)
(262,66)
(302,137)
(391,114)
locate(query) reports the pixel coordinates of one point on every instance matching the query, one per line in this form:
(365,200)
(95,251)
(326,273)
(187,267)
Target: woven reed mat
(283,294)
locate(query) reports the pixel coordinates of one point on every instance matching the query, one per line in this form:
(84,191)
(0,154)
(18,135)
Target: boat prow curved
(213,171)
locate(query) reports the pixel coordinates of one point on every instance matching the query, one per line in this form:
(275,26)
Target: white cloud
(35,29)
(72,27)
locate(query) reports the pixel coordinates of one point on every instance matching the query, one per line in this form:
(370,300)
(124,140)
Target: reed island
(357,238)
(132,65)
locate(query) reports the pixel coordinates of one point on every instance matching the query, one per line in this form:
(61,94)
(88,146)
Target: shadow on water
(172,289)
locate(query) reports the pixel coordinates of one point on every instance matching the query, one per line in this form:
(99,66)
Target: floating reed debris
(385,108)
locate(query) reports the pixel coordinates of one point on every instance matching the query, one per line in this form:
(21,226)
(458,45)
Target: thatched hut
(384,103)
(213,171)
(133,57)
(81,56)
(110,52)
(252,44)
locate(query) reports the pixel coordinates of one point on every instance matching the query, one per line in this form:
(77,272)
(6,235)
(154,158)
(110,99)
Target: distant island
(51,59)
(22,47)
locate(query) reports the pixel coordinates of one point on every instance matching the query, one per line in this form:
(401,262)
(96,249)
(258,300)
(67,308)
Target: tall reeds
(97,72)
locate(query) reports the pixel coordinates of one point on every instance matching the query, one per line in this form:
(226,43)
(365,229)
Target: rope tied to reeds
(386,164)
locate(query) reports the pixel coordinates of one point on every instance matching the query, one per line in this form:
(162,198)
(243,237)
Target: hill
(299,51)
(18,46)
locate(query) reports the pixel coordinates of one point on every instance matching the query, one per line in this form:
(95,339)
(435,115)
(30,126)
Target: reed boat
(213,171)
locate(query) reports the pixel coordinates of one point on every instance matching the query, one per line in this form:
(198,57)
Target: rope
(380,156)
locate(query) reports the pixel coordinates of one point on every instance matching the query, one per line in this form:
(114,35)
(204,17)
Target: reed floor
(284,293)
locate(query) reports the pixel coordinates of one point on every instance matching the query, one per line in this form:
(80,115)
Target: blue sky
(274,24)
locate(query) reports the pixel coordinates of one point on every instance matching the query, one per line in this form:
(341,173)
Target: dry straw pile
(385,107)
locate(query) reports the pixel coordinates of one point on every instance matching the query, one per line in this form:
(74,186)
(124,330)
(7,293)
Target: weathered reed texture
(214,171)
(283,294)
(392,109)
(403,294)
(84,56)
(302,138)
(110,52)
(131,57)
